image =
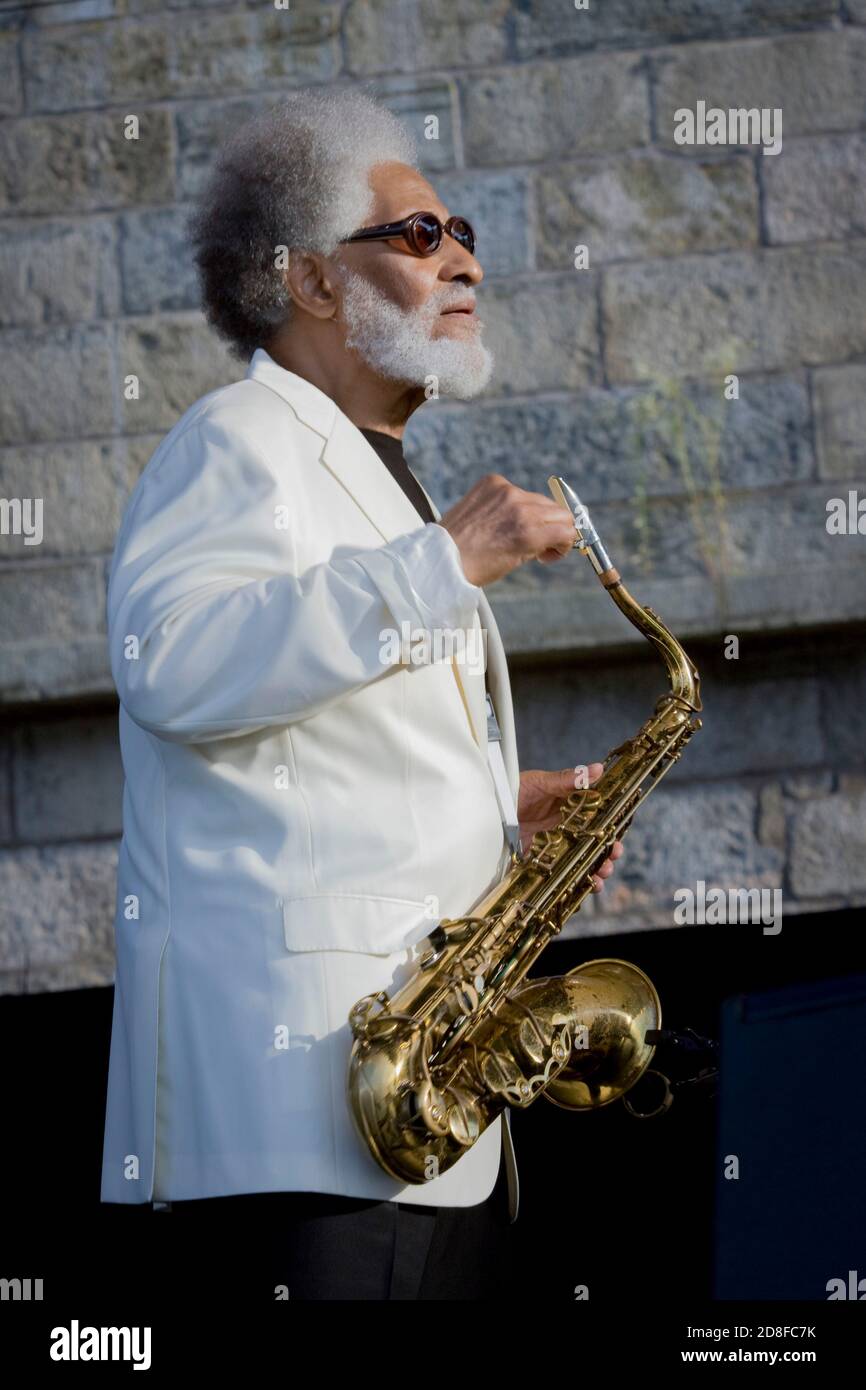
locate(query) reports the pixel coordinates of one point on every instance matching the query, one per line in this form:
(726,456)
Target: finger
(617,849)
(605,869)
(553,528)
(598,884)
(594,771)
(558,523)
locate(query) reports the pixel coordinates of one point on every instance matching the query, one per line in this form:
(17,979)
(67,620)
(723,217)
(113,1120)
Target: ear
(311,284)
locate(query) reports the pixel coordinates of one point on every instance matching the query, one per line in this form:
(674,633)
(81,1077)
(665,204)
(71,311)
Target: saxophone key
(430,1104)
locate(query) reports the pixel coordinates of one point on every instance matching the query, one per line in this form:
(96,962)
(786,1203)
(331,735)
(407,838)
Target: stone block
(44,669)
(70,66)
(839,395)
(11,98)
(58,271)
(817,79)
(632,206)
(543,333)
(82,161)
(247,51)
(168,54)
(547,27)
(156,261)
(57,930)
(414,100)
(827,858)
(67,779)
(57,383)
(589,105)
(816,190)
(389,36)
(736,312)
(81,486)
(176,359)
(51,601)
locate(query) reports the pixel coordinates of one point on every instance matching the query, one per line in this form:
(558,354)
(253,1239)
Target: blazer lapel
(360,470)
(348,455)
(357,466)
(354,461)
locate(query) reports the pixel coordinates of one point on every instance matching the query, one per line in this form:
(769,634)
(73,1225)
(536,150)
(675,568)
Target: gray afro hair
(296,175)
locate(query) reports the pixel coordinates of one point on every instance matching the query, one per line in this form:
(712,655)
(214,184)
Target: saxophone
(468,1034)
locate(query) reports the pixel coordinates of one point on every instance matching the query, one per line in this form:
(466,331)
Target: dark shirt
(390,451)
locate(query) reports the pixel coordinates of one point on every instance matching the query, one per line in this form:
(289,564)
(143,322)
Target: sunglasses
(422,232)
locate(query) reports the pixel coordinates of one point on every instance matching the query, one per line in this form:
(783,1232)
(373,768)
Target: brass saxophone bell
(613,1004)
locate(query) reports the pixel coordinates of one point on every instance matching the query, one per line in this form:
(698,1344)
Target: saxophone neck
(682,672)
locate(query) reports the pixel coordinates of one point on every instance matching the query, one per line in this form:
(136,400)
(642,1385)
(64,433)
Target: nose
(461,264)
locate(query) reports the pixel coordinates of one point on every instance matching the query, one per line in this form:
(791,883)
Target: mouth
(466,309)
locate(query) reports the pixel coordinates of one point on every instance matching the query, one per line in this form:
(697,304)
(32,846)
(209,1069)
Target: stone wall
(555,130)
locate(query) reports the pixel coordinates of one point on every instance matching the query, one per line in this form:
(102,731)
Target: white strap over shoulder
(507,808)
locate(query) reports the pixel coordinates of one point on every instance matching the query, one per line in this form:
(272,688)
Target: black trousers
(306,1245)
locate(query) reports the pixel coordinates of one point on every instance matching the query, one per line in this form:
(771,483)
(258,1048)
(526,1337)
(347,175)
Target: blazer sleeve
(212,632)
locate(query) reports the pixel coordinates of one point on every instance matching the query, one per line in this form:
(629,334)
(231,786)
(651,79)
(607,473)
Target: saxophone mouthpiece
(588,539)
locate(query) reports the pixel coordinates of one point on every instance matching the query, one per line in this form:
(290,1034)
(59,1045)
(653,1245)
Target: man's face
(413,317)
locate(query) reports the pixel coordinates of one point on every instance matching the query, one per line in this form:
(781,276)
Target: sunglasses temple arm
(383,233)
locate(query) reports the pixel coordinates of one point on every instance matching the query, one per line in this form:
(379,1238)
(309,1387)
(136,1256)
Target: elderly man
(300,810)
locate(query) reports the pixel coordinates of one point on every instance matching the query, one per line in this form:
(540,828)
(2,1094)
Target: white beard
(397,344)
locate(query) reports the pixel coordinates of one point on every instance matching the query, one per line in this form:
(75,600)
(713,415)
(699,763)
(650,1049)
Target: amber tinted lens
(462,232)
(427,233)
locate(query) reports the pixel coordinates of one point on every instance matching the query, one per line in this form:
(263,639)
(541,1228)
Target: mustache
(438,303)
(427,313)
(446,299)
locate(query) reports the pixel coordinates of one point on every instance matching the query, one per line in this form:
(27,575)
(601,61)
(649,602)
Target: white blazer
(296,815)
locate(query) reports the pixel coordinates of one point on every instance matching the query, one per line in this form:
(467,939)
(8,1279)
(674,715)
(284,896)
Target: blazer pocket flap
(362,922)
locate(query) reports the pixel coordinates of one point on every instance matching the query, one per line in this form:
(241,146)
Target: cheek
(411,285)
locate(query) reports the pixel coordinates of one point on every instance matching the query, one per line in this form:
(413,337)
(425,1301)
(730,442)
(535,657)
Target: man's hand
(539,807)
(498,526)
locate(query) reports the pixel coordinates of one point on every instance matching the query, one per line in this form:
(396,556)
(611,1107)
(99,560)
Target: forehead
(399,189)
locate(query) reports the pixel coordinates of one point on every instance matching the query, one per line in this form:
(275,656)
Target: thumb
(593,772)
